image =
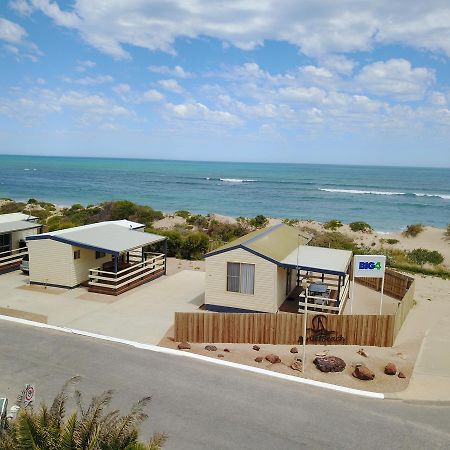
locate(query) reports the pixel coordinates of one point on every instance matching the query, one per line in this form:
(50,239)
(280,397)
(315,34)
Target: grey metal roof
(328,260)
(18,225)
(105,237)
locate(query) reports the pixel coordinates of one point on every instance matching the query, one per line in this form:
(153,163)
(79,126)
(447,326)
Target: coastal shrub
(124,209)
(174,241)
(361,226)
(413,230)
(423,256)
(32,201)
(332,225)
(12,207)
(447,232)
(199,221)
(183,213)
(259,221)
(225,232)
(194,245)
(291,222)
(392,241)
(334,239)
(41,214)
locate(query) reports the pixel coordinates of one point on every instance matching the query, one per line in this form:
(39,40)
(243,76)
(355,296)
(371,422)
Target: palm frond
(67,436)
(58,410)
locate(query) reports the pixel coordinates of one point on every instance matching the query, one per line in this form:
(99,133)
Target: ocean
(389,198)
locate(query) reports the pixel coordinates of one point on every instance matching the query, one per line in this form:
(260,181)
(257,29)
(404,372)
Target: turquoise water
(388,198)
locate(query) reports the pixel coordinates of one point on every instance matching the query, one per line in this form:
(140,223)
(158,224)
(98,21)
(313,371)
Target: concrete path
(143,314)
(204,406)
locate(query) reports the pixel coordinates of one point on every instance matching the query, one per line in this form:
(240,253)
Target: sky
(306,81)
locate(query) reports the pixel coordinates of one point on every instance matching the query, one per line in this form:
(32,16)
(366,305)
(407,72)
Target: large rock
(296,366)
(390,369)
(273,359)
(330,364)
(363,373)
(294,350)
(211,348)
(259,359)
(401,375)
(256,347)
(184,346)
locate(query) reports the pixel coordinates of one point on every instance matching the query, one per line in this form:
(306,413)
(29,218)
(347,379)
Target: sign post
(368,266)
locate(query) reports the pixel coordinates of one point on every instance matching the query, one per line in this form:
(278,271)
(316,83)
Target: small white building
(14,229)
(260,271)
(109,257)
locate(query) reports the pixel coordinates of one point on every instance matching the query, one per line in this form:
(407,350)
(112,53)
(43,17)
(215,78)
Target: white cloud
(152,95)
(11,32)
(21,6)
(176,71)
(122,88)
(200,112)
(82,66)
(90,81)
(395,78)
(171,85)
(315,71)
(317,28)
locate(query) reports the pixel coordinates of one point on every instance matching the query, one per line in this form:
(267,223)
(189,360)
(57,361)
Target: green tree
(90,428)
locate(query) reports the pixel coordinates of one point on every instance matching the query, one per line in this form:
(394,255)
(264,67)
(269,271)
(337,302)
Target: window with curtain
(241,278)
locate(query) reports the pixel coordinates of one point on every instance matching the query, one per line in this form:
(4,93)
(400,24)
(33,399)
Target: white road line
(169,351)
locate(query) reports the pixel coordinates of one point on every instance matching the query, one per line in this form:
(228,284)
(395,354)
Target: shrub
(413,230)
(183,213)
(334,239)
(32,201)
(423,256)
(361,226)
(291,222)
(195,245)
(332,225)
(392,241)
(259,221)
(199,221)
(12,207)
(447,232)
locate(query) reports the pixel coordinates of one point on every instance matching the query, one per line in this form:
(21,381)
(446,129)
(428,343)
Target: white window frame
(240,291)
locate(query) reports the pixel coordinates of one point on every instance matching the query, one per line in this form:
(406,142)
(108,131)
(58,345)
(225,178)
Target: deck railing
(327,304)
(108,282)
(12,258)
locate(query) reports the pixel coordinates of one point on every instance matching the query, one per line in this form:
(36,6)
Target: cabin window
(99,255)
(241,278)
(5,243)
(77,254)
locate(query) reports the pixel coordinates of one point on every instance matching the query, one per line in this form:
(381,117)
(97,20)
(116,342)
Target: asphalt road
(204,406)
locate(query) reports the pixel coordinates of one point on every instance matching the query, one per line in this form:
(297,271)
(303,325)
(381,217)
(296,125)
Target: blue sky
(348,82)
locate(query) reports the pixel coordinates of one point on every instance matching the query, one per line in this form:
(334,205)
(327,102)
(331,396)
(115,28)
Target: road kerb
(179,353)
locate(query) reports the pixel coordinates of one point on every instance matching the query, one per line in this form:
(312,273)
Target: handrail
(9,254)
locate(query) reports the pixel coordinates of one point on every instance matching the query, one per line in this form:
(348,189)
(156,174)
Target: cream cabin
(14,229)
(273,269)
(108,257)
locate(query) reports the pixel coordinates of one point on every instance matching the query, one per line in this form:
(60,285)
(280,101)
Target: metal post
(381,297)
(165,257)
(115,263)
(142,254)
(339,290)
(323,277)
(305,319)
(128,257)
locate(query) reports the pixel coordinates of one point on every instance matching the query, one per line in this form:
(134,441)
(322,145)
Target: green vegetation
(392,241)
(361,226)
(259,221)
(334,239)
(447,232)
(91,427)
(291,222)
(413,230)
(423,256)
(183,213)
(332,225)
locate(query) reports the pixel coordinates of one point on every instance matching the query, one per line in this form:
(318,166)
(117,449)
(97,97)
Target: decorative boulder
(294,350)
(296,366)
(259,359)
(211,348)
(226,350)
(273,359)
(363,373)
(184,346)
(329,364)
(256,347)
(220,355)
(401,375)
(390,369)
(362,352)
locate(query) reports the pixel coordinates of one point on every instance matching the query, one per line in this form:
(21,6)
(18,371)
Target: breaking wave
(232,180)
(411,194)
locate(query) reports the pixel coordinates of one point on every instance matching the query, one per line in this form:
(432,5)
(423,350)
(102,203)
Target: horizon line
(219,161)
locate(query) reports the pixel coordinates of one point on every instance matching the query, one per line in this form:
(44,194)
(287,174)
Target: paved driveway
(143,314)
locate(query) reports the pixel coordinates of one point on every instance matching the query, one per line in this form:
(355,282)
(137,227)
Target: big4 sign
(369,266)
